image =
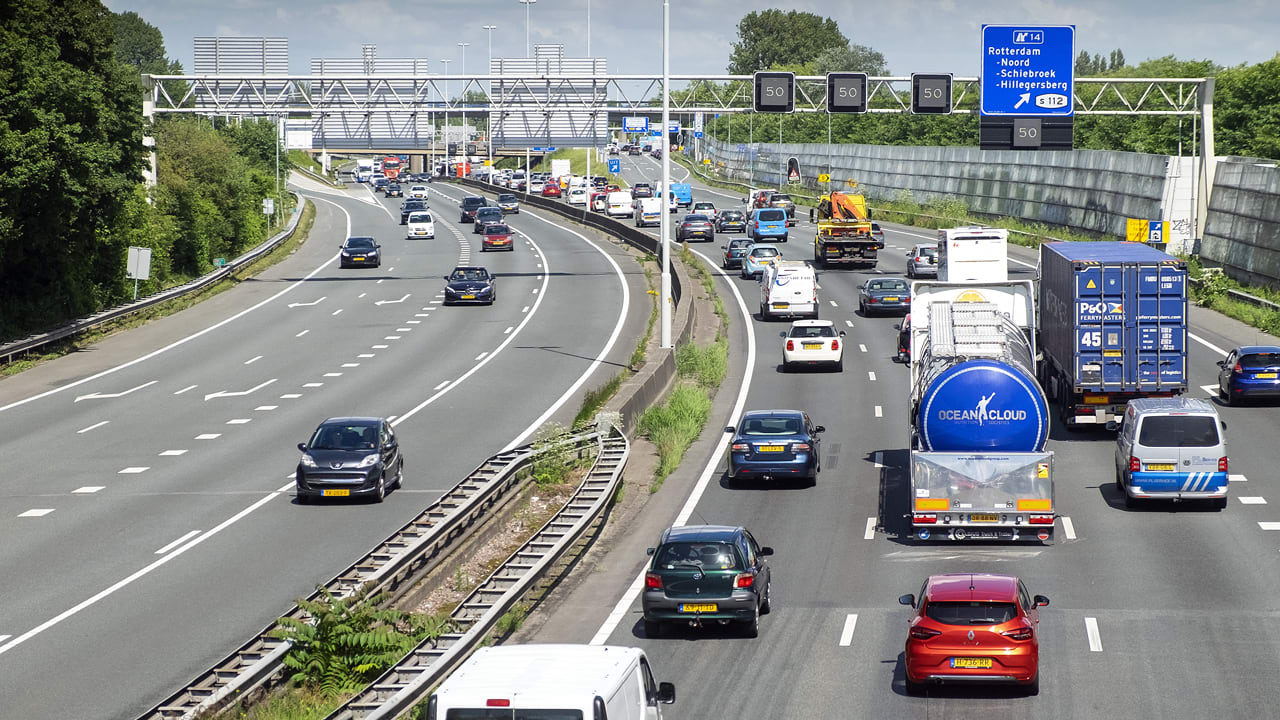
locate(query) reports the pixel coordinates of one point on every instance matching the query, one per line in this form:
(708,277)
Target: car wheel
(862,308)
(400,475)
(786,366)
(1231,398)
(1130,501)
(1219,503)
(652,628)
(304,499)
(1033,688)
(913,688)
(767,605)
(751,628)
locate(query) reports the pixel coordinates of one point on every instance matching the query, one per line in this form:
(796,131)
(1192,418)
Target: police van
(788,288)
(1171,448)
(552,682)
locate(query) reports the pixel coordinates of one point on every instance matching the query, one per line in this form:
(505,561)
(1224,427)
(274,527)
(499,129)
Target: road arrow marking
(313,302)
(114,395)
(1025,98)
(393,302)
(241,393)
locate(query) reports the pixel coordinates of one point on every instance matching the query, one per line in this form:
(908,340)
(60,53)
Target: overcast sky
(913,35)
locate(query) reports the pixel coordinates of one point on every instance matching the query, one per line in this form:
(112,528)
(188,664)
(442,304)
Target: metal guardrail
(31,342)
(397,559)
(405,685)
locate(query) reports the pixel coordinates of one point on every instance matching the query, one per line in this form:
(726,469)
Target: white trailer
(973,254)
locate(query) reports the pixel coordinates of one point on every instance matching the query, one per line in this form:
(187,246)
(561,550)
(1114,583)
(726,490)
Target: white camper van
(788,288)
(974,254)
(552,682)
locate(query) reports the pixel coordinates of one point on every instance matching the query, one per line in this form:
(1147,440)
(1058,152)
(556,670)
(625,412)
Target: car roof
(359,237)
(755,245)
(353,421)
(539,675)
(960,587)
(1251,349)
(772,413)
(1181,404)
(701,532)
(470,267)
(812,323)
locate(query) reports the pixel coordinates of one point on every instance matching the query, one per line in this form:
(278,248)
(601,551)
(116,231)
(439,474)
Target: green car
(706,573)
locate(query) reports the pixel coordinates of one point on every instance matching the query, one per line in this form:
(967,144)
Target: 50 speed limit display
(846,92)
(931,93)
(775,92)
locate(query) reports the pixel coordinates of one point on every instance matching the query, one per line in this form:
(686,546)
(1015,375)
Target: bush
(706,365)
(673,427)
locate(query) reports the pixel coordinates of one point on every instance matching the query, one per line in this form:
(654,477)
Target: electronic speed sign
(775,92)
(846,92)
(931,93)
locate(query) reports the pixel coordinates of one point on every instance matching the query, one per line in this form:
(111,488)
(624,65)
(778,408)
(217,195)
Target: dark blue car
(1248,372)
(775,444)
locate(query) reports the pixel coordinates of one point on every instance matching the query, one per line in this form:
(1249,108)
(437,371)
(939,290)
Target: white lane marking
(350,365)
(307,304)
(333,374)
(441,385)
(1237,478)
(266,407)
(94,396)
(1269,525)
(391,337)
(133,470)
(846,635)
(81,431)
(535,291)
(869,533)
(871,375)
(1252,500)
(862,348)
(335,312)
(1095,637)
(366,355)
(380,282)
(412,322)
(526,309)
(88,489)
(833,303)
(208,436)
(312,385)
(423,315)
(713,464)
(404,329)
(390,418)
(436,302)
(189,387)
(290,396)
(392,302)
(33,512)
(172,453)
(878,458)
(239,421)
(849,323)
(508,330)
(393,267)
(130,579)
(304,332)
(379,347)
(177,542)
(481,355)
(253,360)
(4,637)
(1207,344)
(238,393)
(1068,527)
(879,411)
(361,295)
(1210,389)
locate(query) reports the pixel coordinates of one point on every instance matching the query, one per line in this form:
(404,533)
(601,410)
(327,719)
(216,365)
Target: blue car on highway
(1249,371)
(775,444)
(768,223)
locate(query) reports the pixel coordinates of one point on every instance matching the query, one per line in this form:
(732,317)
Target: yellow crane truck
(844,232)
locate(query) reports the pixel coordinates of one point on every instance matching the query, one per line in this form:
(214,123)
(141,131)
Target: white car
(535,186)
(812,342)
(704,208)
(420,225)
(418,191)
(577,196)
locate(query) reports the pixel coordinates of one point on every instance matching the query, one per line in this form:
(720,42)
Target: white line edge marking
(91,427)
(1095,637)
(253,360)
(188,338)
(177,542)
(846,635)
(189,387)
(633,591)
(481,356)
(1269,525)
(879,411)
(1068,527)
(870,532)
(1206,343)
(304,332)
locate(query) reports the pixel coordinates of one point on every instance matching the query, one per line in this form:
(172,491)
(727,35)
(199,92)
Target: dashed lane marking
(361,295)
(412,322)
(36,512)
(172,453)
(404,329)
(423,315)
(526,309)
(349,365)
(481,356)
(1068,528)
(879,411)
(366,355)
(1095,637)
(291,396)
(379,347)
(335,312)
(391,337)
(833,303)
(1252,500)
(333,374)
(304,332)
(88,489)
(239,421)
(185,389)
(177,542)
(508,330)
(253,360)
(446,382)
(1237,478)
(208,436)
(870,532)
(133,470)
(871,376)
(81,431)
(849,323)
(1269,525)
(312,385)
(846,635)
(266,407)
(862,348)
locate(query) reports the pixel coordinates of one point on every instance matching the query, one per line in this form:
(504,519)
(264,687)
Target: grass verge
(673,426)
(1211,291)
(595,399)
(298,704)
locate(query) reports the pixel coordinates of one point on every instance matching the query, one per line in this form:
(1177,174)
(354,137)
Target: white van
(1171,449)
(648,211)
(619,204)
(788,288)
(552,682)
(420,225)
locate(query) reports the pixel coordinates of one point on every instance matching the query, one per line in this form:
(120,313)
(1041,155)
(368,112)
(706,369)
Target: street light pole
(466,83)
(526,4)
(489,130)
(665,225)
(588,28)
(447,156)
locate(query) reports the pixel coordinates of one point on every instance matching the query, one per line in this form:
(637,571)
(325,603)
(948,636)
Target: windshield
(696,555)
(771,216)
(764,252)
(472,274)
(703,206)
(971,613)
(343,437)
(489,213)
(888,285)
(780,198)
(507,198)
(769,426)
(1178,431)
(360,242)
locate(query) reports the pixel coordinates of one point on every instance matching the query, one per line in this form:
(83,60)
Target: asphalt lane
(1167,611)
(153,528)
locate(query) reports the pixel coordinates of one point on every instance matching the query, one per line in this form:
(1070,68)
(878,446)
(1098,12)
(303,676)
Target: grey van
(1171,449)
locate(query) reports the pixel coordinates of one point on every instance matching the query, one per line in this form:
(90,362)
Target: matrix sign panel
(775,92)
(931,93)
(846,92)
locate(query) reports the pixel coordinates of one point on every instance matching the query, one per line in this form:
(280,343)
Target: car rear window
(497,230)
(697,219)
(772,215)
(926,251)
(764,252)
(731,215)
(1260,360)
(780,198)
(888,285)
(1178,431)
(813,331)
(472,202)
(696,555)
(420,218)
(971,612)
(767,426)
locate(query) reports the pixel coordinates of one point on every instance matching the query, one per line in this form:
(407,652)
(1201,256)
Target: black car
(350,457)
(470,204)
(360,252)
(633,150)
(393,190)
(696,226)
(702,574)
(469,284)
(731,221)
(641,190)
(486,216)
(410,206)
(733,253)
(884,295)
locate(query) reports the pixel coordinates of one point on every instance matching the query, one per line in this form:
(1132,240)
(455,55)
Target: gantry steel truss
(637,94)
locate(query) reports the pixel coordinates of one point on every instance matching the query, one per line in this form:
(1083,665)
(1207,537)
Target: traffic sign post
(1028,70)
(697,124)
(931,93)
(846,92)
(775,92)
(615,165)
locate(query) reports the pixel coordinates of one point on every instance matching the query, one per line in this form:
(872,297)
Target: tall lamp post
(466,137)
(526,4)
(665,225)
(447,156)
(489,130)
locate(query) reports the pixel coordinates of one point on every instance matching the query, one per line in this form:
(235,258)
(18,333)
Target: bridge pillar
(416,163)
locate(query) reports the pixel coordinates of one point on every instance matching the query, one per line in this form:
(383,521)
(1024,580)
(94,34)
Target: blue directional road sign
(1028,70)
(544,149)
(615,165)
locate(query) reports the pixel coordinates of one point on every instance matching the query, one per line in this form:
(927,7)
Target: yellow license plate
(891,299)
(357,258)
(984,517)
(336,493)
(1097,399)
(1266,376)
(770,448)
(970,662)
(468,297)
(779,306)
(698,607)
(1160,467)
(812,346)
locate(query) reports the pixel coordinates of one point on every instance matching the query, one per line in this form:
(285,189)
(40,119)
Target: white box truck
(552,682)
(974,254)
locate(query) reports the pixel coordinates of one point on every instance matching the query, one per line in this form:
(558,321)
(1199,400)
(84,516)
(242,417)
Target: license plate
(770,448)
(336,493)
(1266,376)
(984,517)
(891,299)
(812,346)
(971,662)
(781,306)
(1161,467)
(357,258)
(698,607)
(468,297)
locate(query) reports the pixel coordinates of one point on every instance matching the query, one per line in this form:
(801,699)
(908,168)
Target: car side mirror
(446,277)
(302,447)
(744,201)
(1040,600)
(842,333)
(1222,363)
(730,429)
(897,326)
(819,429)
(782,334)
(907,599)
(666,693)
(650,551)
(766,551)
(1224,424)
(1112,425)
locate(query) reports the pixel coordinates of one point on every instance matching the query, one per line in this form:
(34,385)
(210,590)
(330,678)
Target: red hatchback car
(551,189)
(973,628)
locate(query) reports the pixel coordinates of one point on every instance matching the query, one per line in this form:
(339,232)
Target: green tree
(850,58)
(1247,110)
(773,37)
(140,44)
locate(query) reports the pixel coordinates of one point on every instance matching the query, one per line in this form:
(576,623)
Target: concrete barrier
(1242,227)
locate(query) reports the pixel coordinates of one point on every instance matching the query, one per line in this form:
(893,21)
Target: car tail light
(1022,633)
(925,518)
(1040,519)
(1237,369)
(835,345)
(800,447)
(652,581)
(495,702)
(1135,465)
(790,346)
(873,299)
(923,633)
(744,580)
(741,447)
(1222,464)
